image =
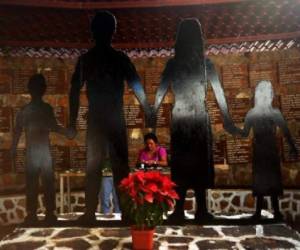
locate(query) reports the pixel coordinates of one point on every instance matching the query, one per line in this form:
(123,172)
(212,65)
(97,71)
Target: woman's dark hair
(151,136)
(189,38)
(189,56)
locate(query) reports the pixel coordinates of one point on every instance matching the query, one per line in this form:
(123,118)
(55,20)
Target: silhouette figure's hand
(71,133)
(230,128)
(238,131)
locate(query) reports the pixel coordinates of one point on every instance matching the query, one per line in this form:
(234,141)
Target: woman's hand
(150,162)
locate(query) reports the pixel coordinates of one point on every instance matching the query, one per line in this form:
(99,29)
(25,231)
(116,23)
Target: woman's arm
(162,157)
(220,97)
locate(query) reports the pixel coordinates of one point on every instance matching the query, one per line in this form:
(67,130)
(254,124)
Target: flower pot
(142,239)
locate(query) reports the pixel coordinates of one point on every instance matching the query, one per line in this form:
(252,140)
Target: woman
(191,138)
(152,154)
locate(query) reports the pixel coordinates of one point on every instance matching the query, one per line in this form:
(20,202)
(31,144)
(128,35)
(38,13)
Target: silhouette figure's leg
(93,171)
(32,185)
(201,212)
(259,204)
(177,216)
(119,156)
(275,204)
(48,182)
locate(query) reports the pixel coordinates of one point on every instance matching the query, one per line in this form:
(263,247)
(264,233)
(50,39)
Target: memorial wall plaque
(61,157)
(289,71)
(238,151)
(20,160)
(78,157)
(21,79)
(164,115)
(61,115)
(134,116)
(82,118)
(238,108)
(6,80)
(286,150)
(262,71)
(152,79)
(5,119)
(213,111)
(290,106)
(56,81)
(5,161)
(219,147)
(235,76)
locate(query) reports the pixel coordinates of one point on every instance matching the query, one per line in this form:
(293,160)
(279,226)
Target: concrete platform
(271,236)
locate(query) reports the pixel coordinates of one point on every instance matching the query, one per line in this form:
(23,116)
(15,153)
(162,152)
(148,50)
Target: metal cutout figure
(37,120)
(263,119)
(103,70)
(188,74)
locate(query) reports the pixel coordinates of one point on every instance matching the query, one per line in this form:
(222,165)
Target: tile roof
(147,27)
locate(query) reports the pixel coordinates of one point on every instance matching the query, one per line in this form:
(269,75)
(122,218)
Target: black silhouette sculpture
(188,74)
(38,120)
(263,119)
(104,70)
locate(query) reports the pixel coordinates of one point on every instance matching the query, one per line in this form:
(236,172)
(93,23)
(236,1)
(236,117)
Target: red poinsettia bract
(151,187)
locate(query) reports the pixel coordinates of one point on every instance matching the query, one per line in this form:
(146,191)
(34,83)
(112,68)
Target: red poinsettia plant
(147,197)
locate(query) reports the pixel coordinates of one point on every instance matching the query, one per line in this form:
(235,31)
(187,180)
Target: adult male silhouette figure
(104,70)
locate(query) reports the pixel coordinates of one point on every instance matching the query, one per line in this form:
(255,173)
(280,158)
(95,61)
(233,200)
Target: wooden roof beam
(144,45)
(113,4)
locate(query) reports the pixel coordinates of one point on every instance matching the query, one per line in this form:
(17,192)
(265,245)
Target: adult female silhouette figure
(188,74)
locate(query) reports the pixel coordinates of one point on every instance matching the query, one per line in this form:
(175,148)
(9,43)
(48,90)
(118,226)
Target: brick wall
(238,72)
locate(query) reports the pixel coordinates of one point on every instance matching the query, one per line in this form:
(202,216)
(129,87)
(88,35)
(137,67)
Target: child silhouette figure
(38,120)
(263,119)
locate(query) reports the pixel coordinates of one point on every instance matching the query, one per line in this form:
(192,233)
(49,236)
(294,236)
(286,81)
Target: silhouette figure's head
(189,37)
(37,86)
(103,27)
(263,94)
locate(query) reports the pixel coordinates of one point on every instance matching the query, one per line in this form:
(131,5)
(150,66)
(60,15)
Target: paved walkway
(271,236)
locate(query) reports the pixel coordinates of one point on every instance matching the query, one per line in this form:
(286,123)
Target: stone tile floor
(236,234)
(271,236)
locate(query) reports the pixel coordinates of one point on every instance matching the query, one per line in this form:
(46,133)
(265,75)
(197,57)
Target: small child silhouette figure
(38,120)
(264,120)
